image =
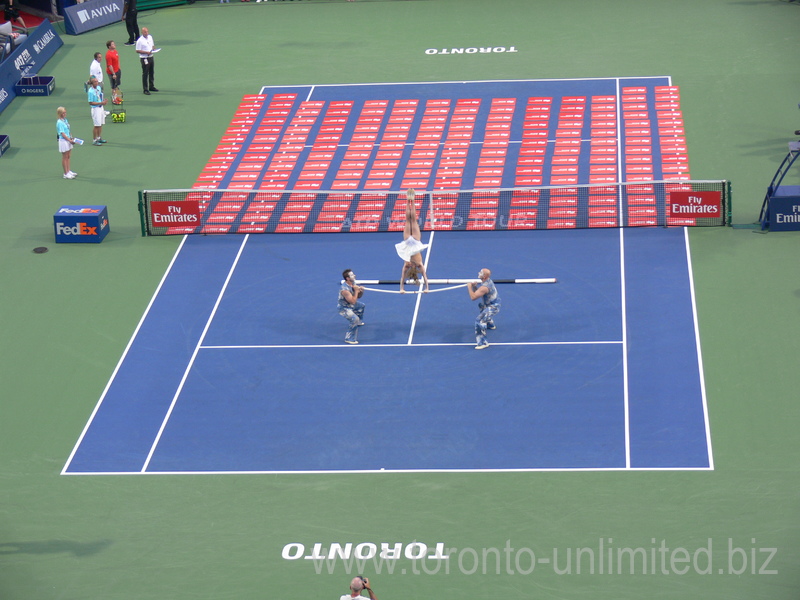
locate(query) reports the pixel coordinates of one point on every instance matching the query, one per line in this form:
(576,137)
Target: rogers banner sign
(695,204)
(167,213)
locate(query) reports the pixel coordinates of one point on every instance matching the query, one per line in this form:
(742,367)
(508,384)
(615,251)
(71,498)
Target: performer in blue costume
(349,306)
(489,306)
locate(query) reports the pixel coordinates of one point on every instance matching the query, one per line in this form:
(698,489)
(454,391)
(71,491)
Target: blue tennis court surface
(238,364)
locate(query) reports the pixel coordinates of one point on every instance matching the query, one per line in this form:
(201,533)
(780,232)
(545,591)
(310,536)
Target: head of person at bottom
(411,272)
(358,584)
(484,274)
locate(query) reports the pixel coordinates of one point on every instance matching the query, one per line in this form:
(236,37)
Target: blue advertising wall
(30,57)
(80,18)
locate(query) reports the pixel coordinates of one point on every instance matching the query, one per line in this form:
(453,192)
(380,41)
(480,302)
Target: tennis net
(641,204)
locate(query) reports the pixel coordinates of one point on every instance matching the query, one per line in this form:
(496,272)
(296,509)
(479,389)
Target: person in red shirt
(113,70)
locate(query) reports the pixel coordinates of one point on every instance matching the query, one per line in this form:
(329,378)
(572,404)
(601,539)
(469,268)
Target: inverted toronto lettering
(472,50)
(364,551)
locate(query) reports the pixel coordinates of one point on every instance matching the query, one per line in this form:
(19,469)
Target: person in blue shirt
(97,105)
(489,306)
(65,141)
(349,306)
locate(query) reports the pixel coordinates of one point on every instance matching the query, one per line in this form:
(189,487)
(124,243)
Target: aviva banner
(28,58)
(92,14)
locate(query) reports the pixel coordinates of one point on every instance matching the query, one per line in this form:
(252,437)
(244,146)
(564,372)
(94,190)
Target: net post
(729,203)
(142,214)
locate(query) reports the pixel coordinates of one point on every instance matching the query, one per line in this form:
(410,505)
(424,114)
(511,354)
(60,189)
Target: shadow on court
(77,549)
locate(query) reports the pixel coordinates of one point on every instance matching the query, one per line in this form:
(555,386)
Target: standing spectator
(65,141)
(489,306)
(96,69)
(144,47)
(97,104)
(349,306)
(129,15)
(11,13)
(113,70)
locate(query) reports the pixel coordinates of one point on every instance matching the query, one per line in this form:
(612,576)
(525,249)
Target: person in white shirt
(144,48)
(359,583)
(96,69)
(96,72)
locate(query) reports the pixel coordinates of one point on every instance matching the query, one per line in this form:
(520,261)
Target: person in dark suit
(129,13)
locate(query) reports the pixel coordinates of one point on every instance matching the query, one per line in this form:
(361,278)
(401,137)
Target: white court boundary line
(194,354)
(419,296)
(624,323)
(424,345)
(403,471)
(623,291)
(124,355)
(619,145)
(313,86)
(700,369)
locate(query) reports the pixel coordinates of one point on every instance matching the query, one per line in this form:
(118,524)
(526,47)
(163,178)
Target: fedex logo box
(81,224)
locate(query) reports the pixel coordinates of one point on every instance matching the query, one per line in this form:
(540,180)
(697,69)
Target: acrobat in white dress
(409,247)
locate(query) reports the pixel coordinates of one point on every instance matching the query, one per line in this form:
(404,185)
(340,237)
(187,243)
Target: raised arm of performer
(410,249)
(412,271)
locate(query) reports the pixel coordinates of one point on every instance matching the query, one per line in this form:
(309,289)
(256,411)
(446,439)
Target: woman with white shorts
(65,141)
